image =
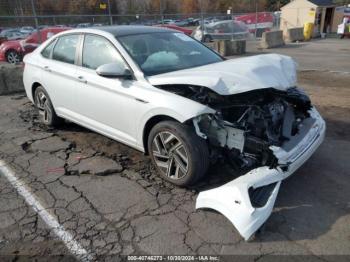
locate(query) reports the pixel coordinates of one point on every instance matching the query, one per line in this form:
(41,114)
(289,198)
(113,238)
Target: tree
(189,6)
(341,2)
(153,7)
(275,5)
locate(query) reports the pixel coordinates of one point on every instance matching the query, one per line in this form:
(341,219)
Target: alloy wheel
(13,57)
(170,155)
(42,103)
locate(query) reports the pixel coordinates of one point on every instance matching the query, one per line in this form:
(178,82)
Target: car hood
(236,75)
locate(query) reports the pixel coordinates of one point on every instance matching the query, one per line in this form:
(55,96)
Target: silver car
(222,30)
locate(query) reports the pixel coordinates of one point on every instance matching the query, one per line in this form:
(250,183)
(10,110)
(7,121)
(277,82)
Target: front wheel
(180,156)
(45,108)
(13,57)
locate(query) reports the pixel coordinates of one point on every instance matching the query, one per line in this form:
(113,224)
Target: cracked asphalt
(110,199)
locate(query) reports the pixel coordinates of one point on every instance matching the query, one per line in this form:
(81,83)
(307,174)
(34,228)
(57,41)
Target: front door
(104,104)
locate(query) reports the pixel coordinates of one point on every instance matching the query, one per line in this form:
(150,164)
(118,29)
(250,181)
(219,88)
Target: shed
(319,12)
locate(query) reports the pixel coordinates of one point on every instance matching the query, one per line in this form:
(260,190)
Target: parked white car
(168,95)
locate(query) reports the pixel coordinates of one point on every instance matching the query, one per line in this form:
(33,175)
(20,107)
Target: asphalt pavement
(73,193)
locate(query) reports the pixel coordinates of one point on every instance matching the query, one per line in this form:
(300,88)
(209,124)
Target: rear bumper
(233,199)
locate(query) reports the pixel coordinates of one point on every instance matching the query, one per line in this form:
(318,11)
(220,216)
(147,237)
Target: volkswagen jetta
(170,96)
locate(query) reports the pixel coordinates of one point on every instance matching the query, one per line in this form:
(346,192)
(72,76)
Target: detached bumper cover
(233,199)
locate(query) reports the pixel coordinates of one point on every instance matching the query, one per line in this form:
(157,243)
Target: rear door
(59,72)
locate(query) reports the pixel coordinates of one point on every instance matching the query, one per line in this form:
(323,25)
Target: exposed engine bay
(246,125)
(258,122)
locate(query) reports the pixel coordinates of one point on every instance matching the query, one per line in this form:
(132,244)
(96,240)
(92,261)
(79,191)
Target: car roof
(222,22)
(124,30)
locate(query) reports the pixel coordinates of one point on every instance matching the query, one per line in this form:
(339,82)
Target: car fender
(17,48)
(181,116)
(233,199)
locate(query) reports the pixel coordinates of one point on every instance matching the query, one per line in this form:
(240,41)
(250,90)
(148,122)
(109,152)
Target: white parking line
(73,246)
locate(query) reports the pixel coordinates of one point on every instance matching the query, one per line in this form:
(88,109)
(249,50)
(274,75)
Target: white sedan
(168,95)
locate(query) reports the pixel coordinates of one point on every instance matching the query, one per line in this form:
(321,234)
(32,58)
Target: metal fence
(28,16)
(18,13)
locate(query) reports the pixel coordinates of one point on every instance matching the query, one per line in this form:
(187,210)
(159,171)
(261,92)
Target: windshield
(158,53)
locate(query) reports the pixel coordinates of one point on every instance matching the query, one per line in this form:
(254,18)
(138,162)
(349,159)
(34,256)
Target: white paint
(111,95)
(236,75)
(232,199)
(73,246)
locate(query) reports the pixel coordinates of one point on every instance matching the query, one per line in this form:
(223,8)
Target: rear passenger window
(47,50)
(64,50)
(99,51)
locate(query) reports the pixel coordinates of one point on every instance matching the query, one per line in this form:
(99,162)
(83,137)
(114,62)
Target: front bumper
(2,56)
(233,199)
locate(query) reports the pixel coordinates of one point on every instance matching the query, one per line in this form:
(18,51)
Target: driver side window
(98,51)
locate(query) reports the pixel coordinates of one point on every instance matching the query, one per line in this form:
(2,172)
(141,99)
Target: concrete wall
(272,39)
(11,79)
(228,47)
(293,34)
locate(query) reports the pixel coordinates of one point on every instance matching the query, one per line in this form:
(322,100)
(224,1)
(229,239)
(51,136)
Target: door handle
(47,68)
(82,79)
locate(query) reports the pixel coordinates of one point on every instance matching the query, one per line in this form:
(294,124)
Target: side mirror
(113,70)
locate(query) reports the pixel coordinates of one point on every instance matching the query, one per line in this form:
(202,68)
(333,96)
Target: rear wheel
(13,57)
(180,156)
(45,108)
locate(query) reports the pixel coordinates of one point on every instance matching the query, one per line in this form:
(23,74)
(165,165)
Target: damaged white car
(173,98)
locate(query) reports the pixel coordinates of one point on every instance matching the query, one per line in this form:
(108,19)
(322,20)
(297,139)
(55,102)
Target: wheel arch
(12,49)
(9,50)
(35,85)
(150,124)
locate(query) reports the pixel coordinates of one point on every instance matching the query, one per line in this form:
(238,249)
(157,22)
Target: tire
(179,154)
(44,105)
(207,39)
(13,57)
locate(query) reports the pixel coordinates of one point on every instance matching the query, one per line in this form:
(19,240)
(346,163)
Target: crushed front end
(269,134)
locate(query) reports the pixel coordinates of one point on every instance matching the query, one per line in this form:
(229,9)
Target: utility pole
(233,1)
(256,17)
(36,21)
(161,11)
(202,16)
(110,12)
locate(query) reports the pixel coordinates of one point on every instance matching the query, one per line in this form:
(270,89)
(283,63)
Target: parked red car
(13,51)
(178,28)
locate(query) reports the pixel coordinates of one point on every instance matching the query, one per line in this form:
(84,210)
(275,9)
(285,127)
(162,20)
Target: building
(322,13)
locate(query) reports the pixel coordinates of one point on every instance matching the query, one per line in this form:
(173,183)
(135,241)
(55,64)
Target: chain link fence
(41,13)
(205,21)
